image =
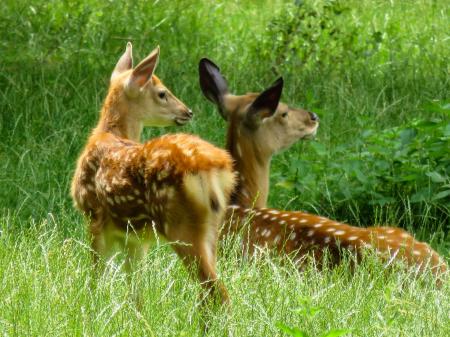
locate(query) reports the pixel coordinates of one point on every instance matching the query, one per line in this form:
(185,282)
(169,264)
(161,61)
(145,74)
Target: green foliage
(382,168)
(315,34)
(307,311)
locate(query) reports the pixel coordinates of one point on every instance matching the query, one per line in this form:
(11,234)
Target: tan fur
(128,190)
(253,148)
(296,232)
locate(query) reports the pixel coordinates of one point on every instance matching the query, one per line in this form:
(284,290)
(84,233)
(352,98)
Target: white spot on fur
(317,225)
(274,212)
(352,238)
(258,213)
(326,239)
(117,199)
(310,233)
(277,239)
(265,216)
(331,229)
(292,236)
(390,231)
(339,233)
(282,222)
(273,218)
(405,235)
(303,220)
(110,201)
(284,215)
(130,197)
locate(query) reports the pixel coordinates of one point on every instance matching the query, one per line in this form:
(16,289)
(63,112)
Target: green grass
(56,59)
(48,289)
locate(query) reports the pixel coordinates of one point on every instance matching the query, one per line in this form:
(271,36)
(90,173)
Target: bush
(383,168)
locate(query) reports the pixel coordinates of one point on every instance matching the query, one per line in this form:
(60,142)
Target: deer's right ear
(125,62)
(213,84)
(142,74)
(265,104)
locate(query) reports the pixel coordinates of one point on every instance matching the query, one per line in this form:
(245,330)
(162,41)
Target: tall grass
(48,289)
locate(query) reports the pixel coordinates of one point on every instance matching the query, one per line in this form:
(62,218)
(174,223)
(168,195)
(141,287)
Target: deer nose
(313,116)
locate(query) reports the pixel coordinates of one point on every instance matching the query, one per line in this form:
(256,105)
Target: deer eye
(284,114)
(162,94)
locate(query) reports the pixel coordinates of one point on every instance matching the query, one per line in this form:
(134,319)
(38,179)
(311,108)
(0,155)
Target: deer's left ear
(142,73)
(265,104)
(125,62)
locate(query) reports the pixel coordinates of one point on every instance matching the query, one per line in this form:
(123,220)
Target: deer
(260,126)
(176,186)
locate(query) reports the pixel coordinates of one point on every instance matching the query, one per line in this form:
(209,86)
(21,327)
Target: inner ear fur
(142,73)
(265,104)
(212,83)
(125,62)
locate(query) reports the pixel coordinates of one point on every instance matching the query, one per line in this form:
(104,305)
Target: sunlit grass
(48,288)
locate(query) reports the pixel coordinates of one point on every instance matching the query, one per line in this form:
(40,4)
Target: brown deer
(176,185)
(259,126)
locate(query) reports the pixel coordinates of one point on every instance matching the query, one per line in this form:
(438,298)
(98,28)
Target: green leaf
(294,332)
(308,311)
(421,195)
(441,195)
(287,184)
(336,333)
(435,177)
(319,148)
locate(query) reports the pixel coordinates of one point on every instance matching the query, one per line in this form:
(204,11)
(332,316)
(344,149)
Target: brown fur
(291,232)
(128,190)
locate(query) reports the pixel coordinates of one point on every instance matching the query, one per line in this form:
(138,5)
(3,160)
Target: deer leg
(198,253)
(135,251)
(96,226)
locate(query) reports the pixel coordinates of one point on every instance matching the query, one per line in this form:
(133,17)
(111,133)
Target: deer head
(138,98)
(259,126)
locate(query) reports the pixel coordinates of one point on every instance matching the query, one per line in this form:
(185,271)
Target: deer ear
(213,84)
(142,73)
(125,62)
(265,104)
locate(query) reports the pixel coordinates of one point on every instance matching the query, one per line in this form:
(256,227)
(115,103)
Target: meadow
(377,74)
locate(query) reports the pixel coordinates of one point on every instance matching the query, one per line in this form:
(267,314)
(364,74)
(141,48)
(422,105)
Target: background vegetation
(376,72)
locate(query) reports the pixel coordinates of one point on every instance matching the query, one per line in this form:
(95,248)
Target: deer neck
(253,167)
(115,117)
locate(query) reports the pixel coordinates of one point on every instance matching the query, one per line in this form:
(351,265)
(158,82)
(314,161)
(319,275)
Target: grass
(47,290)
(54,69)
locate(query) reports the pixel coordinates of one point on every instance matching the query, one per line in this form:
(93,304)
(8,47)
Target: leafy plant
(315,34)
(383,168)
(307,311)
